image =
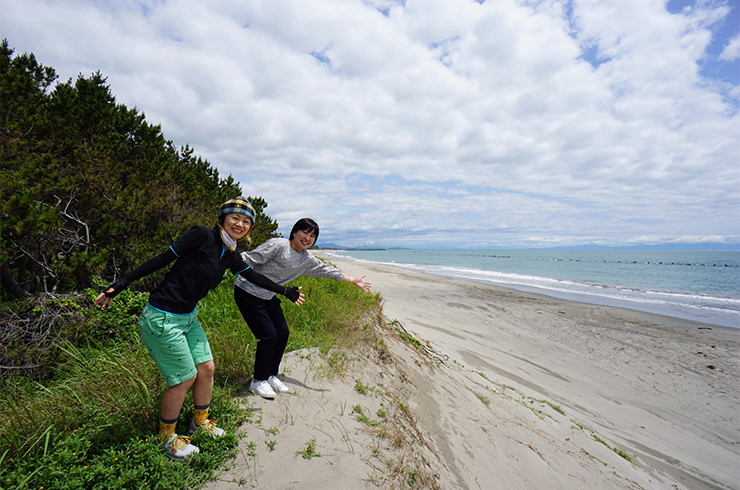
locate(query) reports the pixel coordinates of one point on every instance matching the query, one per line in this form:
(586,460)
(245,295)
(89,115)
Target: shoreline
(724,319)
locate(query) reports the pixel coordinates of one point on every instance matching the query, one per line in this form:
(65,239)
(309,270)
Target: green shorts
(176,342)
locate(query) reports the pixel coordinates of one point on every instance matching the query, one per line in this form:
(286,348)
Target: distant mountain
(336,246)
(330,246)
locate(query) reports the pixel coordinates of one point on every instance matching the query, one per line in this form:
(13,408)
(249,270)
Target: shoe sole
(179,459)
(174,458)
(266,397)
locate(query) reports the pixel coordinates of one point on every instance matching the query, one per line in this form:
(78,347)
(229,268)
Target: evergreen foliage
(89,187)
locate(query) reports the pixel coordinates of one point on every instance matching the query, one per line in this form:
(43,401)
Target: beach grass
(92,422)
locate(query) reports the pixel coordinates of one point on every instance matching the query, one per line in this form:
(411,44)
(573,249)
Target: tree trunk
(9,282)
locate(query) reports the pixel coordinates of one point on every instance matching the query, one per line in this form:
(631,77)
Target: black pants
(266,321)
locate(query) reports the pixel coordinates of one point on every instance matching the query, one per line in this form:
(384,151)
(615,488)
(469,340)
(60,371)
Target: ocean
(695,285)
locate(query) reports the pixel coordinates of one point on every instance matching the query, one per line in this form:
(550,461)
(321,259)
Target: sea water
(696,285)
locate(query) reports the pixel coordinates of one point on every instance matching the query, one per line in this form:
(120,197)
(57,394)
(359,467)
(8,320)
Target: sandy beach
(505,390)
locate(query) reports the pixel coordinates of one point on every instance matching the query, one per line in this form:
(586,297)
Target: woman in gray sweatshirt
(281,261)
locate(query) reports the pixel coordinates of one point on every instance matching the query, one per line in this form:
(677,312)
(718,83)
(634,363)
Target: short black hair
(305,224)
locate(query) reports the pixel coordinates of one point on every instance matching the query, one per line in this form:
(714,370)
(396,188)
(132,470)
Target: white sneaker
(262,388)
(209,427)
(277,385)
(179,447)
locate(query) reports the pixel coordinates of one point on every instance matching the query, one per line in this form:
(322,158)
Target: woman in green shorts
(169,326)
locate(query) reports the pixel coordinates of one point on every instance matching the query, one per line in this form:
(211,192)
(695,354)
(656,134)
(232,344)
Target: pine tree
(88,186)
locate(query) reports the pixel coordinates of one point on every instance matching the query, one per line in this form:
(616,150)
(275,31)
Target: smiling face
(303,239)
(237,225)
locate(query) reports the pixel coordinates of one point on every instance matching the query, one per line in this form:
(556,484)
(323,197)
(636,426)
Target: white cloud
(429,122)
(732,50)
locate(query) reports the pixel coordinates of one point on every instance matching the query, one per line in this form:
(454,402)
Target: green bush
(33,329)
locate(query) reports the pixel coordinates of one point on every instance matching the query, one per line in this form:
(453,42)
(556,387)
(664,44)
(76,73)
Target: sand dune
(511,390)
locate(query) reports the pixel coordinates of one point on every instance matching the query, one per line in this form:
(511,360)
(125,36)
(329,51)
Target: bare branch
(76,219)
(43,266)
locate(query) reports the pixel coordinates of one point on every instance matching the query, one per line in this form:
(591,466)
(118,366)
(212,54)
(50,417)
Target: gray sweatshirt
(276,260)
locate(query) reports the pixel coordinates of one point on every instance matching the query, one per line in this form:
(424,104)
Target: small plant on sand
(426,350)
(361,417)
(533,404)
(310,450)
(407,337)
(362,388)
(593,457)
(484,400)
(413,475)
(251,449)
(619,452)
(271,444)
(555,407)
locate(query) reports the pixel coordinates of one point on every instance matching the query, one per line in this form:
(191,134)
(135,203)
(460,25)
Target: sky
(434,123)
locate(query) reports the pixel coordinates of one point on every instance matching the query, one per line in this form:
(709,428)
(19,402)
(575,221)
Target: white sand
(662,391)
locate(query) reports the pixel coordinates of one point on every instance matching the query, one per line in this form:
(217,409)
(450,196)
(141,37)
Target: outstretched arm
(154,264)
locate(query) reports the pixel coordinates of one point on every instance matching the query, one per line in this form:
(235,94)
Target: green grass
(91,420)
